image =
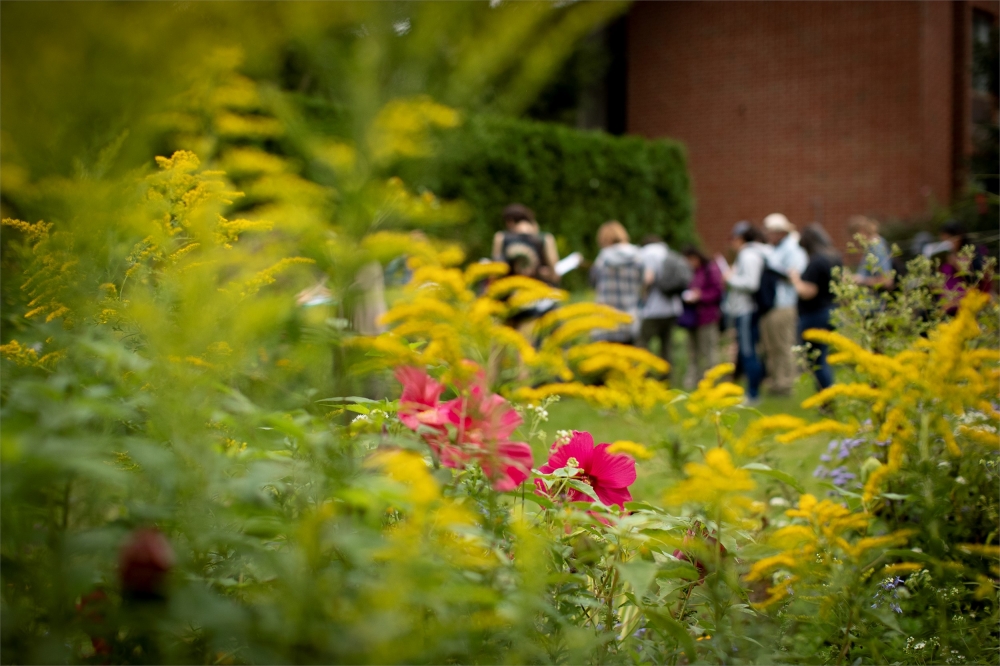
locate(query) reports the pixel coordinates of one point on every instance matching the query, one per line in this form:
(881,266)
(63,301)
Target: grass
(674,446)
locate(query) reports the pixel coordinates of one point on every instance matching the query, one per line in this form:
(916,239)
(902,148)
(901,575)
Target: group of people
(778,286)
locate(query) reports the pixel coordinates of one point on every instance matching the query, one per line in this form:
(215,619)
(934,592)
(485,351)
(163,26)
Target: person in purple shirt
(701,315)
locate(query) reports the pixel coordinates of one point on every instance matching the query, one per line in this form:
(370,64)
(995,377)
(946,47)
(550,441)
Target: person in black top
(815,297)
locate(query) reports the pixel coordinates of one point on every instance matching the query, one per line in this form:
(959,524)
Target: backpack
(675,274)
(524,253)
(767,292)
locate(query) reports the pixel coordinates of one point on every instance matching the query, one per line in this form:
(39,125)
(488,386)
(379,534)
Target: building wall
(818,110)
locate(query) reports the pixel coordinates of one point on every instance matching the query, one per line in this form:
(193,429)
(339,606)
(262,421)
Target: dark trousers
(821,369)
(747,337)
(662,328)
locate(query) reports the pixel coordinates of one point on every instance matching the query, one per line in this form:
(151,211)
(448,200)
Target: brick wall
(818,110)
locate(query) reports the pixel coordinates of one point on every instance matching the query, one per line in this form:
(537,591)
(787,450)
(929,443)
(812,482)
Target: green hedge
(574,180)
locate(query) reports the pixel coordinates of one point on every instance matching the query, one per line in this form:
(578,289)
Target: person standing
(524,248)
(875,268)
(618,276)
(701,315)
(743,281)
(778,326)
(659,313)
(815,298)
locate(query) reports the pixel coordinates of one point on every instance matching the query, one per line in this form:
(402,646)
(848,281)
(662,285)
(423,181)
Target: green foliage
(574,181)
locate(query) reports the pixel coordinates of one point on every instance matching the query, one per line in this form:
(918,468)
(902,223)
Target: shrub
(574,180)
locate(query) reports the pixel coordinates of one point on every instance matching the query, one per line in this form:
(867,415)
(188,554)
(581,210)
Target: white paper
(568,263)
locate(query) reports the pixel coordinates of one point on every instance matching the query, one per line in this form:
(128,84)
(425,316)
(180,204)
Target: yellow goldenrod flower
(715,484)
(634,449)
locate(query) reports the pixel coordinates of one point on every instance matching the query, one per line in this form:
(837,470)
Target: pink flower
(419,402)
(474,427)
(609,474)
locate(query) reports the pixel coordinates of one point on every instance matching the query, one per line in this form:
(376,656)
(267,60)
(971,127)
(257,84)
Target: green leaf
(894,496)
(785,477)
(642,506)
(541,501)
(678,569)
(674,629)
(358,409)
(638,573)
(584,488)
(350,398)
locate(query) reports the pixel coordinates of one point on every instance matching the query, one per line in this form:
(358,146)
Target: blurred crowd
(777,286)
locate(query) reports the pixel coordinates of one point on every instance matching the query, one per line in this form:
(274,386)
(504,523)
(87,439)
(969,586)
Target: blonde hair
(610,233)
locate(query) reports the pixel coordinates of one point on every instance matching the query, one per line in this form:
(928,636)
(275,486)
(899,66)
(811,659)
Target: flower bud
(144,561)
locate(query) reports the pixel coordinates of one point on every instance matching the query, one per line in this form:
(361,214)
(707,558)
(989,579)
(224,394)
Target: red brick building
(818,110)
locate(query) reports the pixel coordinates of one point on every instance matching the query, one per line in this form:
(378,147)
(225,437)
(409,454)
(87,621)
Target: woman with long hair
(815,298)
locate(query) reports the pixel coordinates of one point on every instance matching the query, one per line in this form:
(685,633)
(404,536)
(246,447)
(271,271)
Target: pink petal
(614,470)
(612,496)
(418,387)
(580,446)
(515,461)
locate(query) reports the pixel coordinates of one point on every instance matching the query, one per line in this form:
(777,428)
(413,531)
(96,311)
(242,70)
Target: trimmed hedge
(574,181)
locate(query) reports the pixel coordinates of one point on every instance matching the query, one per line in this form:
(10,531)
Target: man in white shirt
(660,312)
(778,326)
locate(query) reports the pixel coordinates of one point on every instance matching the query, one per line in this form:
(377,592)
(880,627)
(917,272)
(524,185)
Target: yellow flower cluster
(812,548)
(712,397)
(28,357)
(429,521)
(403,126)
(933,383)
(441,320)
(717,485)
(51,272)
(748,443)
(423,209)
(629,448)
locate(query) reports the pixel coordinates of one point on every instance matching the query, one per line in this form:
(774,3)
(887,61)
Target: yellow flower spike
(748,442)
(900,568)
(408,468)
(981,436)
(824,426)
(476,273)
(633,449)
(856,391)
(716,483)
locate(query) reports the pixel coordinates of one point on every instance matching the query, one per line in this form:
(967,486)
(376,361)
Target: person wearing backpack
(668,274)
(743,282)
(524,248)
(618,276)
(779,323)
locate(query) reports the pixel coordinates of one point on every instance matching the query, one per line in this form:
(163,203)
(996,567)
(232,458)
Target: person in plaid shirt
(619,276)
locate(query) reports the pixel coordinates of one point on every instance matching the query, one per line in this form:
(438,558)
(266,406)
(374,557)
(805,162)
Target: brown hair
(859,224)
(516,212)
(610,233)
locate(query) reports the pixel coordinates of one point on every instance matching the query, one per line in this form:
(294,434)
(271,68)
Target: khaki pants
(703,353)
(777,337)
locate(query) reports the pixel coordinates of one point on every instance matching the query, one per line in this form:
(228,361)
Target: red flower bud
(143,563)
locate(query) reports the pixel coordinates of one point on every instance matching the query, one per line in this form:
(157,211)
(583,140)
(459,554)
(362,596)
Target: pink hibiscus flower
(609,474)
(419,403)
(476,426)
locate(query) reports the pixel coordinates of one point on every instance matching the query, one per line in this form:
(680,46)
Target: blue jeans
(821,320)
(747,337)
